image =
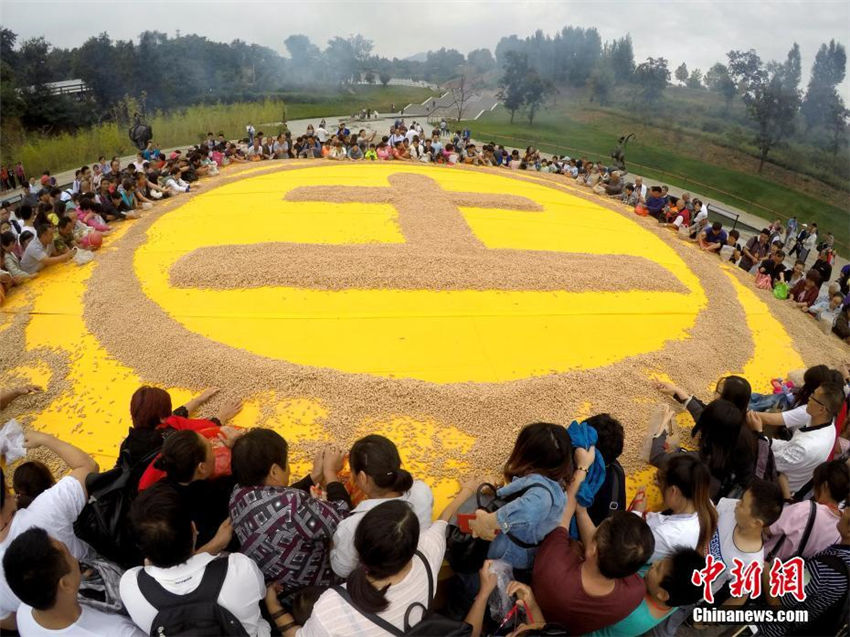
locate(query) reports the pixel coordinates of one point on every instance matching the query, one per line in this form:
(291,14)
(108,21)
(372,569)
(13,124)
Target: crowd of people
(213,536)
(200,529)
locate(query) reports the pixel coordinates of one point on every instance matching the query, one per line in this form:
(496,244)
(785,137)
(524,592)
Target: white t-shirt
(241,592)
(797,458)
(322,134)
(91,623)
(334,617)
(797,417)
(55,511)
(702,214)
(672,532)
(722,545)
(343,554)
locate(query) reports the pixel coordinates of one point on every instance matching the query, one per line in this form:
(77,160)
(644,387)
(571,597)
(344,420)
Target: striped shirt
(825,587)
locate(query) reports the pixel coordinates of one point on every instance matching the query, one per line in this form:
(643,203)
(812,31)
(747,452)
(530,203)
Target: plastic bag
(659,423)
(780,290)
(500,603)
(83,256)
(12,442)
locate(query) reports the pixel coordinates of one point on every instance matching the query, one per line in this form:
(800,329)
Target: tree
(384,77)
(836,123)
(652,77)
(460,94)
(682,73)
(370,77)
(536,90)
(695,79)
(443,65)
(32,69)
(770,94)
(600,82)
(481,60)
(827,72)
(621,59)
(511,89)
(717,79)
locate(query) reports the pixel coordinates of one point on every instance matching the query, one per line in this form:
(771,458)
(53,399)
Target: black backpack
(103,521)
(197,613)
(431,623)
(466,554)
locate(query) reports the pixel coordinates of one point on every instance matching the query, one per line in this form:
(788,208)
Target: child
(771,270)
(629,197)
(371,154)
(685,484)
(668,586)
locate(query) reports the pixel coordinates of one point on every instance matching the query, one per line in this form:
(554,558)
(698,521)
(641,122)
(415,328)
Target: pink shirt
(793,522)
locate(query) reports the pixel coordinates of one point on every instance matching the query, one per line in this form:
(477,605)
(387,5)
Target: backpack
(466,554)
(430,624)
(103,521)
(196,614)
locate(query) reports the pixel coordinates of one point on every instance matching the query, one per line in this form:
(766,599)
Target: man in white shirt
(40,251)
(166,536)
(46,577)
(54,510)
(322,134)
(810,445)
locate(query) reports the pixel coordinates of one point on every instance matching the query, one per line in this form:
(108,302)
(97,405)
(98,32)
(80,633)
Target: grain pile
(163,352)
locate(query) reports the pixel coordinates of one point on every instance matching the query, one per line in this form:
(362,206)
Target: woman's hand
(484,525)
(639,501)
(230,409)
(584,457)
(668,389)
(272,602)
(524,594)
(332,461)
(206,395)
(754,421)
(35,439)
(317,472)
(488,579)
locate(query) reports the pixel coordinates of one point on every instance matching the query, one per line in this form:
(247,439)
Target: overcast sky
(694,31)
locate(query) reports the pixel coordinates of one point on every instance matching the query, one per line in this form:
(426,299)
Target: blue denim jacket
(529,518)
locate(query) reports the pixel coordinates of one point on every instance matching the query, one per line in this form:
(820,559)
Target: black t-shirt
(772,268)
(824,269)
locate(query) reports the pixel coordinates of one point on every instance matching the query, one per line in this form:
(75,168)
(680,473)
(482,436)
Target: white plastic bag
(83,256)
(500,603)
(12,442)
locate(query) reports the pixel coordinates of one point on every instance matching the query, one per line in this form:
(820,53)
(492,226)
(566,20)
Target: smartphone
(463,521)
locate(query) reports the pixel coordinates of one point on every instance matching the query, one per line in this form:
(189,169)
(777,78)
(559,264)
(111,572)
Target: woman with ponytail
(390,575)
(187,461)
(831,488)
(689,519)
(376,471)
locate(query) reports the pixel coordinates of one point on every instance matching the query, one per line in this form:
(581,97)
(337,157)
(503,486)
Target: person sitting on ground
(540,463)
(41,252)
(797,274)
(735,389)
(174,571)
(46,577)
(656,202)
(831,483)
(611,496)
(54,510)
(292,549)
(595,585)
(689,518)
(794,410)
(827,311)
(376,471)
(805,293)
(826,588)
(679,217)
(11,261)
(629,196)
(754,250)
(810,445)
(772,267)
(669,587)
(713,239)
(30,480)
(841,327)
(822,266)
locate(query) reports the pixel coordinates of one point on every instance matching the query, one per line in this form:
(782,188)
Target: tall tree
(511,84)
(717,79)
(600,83)
(770,94)
(652,77)
(695,79)
(682,73)
(536,91)
(827,72)
(621,59)
(481,60)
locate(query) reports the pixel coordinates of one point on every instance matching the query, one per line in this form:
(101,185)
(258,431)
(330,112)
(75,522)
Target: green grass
(555,132)
(323,103)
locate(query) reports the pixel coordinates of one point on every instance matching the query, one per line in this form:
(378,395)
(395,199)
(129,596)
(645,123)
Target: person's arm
(8,395)
(467,490)
(61,258)
(192,405)
(586,527)
(219,541)
(524,594)
(283,620)
(80,463)
(475,616)
(757,420)
(583,458)
(674,391)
